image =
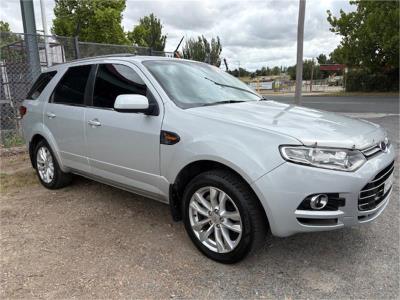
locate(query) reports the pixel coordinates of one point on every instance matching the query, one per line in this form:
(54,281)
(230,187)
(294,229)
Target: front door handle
(50,115)
(94,123)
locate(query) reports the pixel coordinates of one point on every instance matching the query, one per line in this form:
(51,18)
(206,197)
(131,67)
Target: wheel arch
(191,170)
(32,145)
(44,135)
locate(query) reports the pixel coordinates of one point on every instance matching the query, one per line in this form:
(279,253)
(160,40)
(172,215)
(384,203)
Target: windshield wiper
(227,101)
(231,86)
(218,102)
(264,99)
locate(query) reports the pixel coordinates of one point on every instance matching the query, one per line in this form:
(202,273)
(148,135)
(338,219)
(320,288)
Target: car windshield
(193,84)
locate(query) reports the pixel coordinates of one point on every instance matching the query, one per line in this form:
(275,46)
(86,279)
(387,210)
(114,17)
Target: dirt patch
(16,172)
(14,163)
(20,179)
(11,151)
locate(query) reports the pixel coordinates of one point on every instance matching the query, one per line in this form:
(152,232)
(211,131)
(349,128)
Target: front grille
(373,192)
(376,149)
(371,151)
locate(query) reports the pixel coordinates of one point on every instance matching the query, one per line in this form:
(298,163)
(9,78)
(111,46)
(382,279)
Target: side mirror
(132,103)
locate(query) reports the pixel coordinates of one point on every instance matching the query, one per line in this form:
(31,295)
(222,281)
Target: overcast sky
(254,33)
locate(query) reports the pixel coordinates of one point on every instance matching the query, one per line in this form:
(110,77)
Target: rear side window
(40,84)
(71,88)
(113,80)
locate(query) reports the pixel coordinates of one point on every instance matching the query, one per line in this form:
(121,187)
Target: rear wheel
(223,217)
(47,168)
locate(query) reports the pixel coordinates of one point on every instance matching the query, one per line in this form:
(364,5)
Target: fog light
(319,201)
(328,201)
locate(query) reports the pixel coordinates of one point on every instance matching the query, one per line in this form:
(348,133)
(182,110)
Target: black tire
(254,221)
(60,179)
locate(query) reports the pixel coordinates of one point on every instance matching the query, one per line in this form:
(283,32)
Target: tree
(4,26)
(240,72)
(309,67)
(148,33)
(370,35)
(6,38)
(202,50)
(322,59)
(92,21)
(276,70)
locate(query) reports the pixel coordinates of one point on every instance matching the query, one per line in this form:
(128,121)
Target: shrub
(364,81)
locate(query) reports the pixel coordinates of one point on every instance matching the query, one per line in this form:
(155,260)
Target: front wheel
(223,217)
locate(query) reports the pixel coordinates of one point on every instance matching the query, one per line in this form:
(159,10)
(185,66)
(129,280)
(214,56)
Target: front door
(123,147)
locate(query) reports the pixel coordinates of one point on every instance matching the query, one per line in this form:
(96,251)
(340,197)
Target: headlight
(327,158)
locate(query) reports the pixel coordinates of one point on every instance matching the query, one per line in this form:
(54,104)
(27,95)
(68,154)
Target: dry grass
(16,172)
(17,180)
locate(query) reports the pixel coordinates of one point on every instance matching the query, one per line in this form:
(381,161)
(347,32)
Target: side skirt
(127,188)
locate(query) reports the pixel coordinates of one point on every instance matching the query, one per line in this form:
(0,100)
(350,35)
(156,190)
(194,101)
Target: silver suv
(229,162)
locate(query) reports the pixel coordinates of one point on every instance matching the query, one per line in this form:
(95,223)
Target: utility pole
(46,33)
(32,50)
(312,71)
(299,65)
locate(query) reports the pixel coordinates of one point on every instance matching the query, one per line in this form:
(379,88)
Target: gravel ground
(94,241)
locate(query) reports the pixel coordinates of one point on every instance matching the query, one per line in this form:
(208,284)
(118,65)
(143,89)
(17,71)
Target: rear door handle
(94,123)
(50,115)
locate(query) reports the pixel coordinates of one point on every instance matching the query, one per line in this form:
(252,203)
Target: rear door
(123,147)
(35,102)
(64,117)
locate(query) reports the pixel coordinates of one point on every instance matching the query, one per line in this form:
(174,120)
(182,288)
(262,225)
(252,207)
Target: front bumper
(282,190)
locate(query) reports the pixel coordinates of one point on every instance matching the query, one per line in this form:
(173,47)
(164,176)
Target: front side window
(39,85)
(71,88)
(192,84)
(113,80)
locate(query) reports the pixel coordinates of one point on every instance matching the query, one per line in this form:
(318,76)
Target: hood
(309,126)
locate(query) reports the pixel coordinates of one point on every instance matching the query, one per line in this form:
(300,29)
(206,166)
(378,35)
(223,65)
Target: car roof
(124,56)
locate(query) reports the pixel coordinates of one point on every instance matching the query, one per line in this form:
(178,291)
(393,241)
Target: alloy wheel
(215,219)
(45,164)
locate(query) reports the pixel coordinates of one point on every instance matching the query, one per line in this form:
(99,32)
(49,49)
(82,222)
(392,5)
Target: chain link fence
(24,56)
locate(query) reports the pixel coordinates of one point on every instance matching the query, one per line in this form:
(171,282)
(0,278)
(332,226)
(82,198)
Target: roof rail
(101,56)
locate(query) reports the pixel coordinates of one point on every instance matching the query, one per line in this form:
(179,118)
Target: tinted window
(40,84)
(113,80)
(71,88)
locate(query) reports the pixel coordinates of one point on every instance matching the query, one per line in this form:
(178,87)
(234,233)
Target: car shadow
(308,248)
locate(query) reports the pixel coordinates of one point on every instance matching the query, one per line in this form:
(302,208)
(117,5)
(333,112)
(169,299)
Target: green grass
(13,141)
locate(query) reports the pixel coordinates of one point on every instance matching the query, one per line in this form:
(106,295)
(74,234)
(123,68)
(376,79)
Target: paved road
(359,104)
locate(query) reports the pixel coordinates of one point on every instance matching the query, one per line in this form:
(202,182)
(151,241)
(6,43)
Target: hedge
(363,81)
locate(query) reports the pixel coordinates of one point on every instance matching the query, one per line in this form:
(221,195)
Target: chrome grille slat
(373,193)
(370,151)
(390,171)
(370,147)
(376,148)
(369,196)
(376,187)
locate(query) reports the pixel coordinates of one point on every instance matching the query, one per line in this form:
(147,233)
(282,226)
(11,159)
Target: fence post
(76,46)
(32,48)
